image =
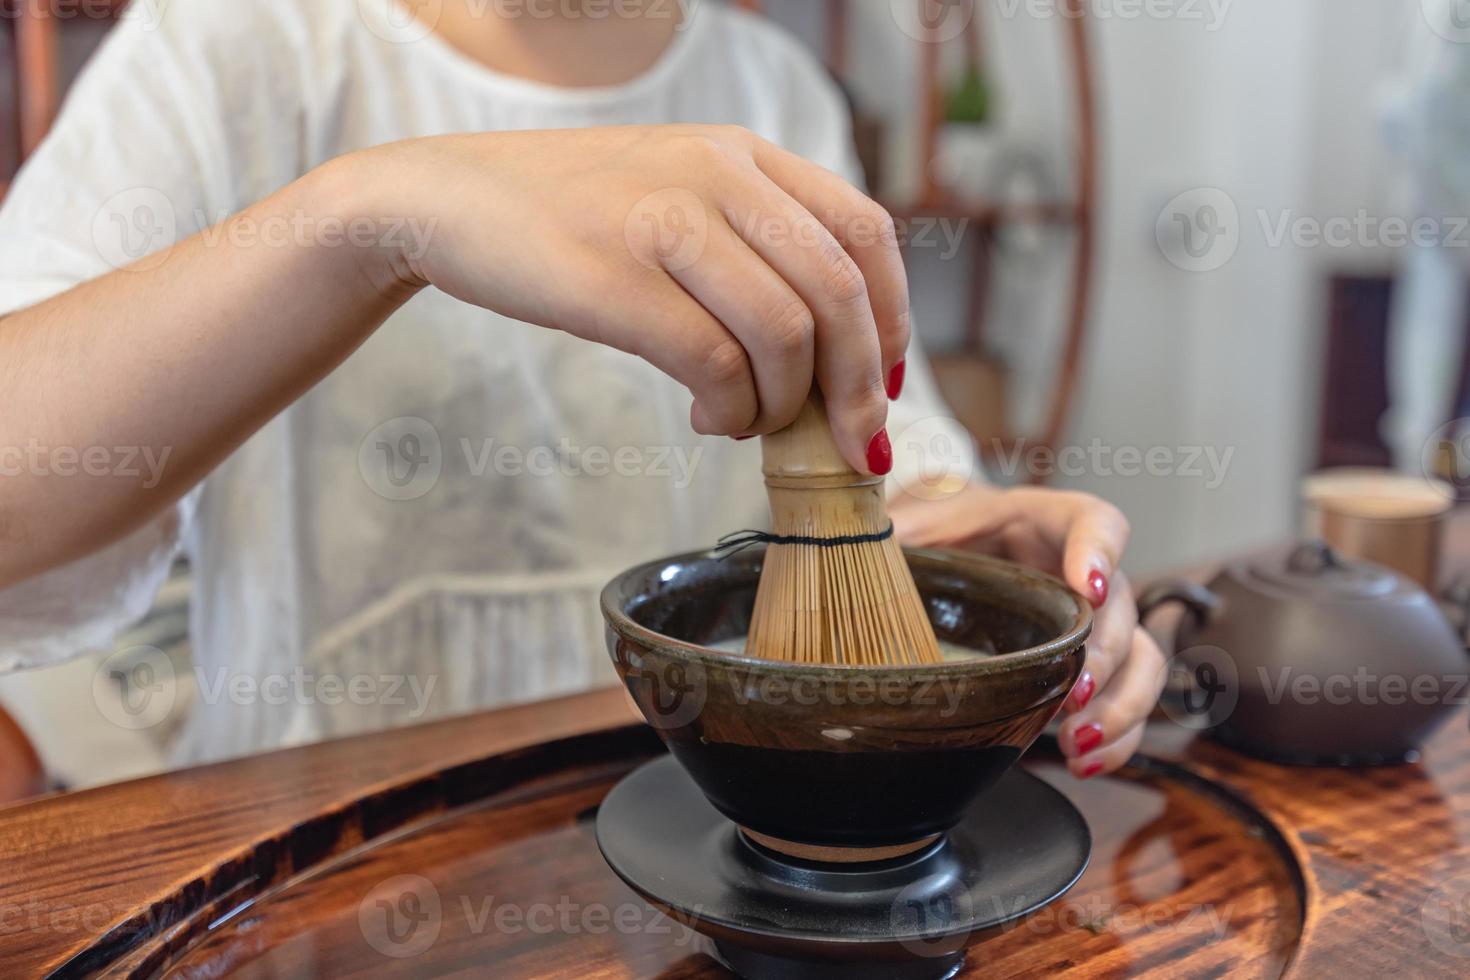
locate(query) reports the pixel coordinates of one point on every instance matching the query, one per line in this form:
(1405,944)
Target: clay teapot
(1302,656)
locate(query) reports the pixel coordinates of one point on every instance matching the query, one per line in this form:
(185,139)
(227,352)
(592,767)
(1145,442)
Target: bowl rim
(1074,637)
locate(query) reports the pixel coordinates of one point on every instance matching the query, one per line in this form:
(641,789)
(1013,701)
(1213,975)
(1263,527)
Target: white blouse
(437,516)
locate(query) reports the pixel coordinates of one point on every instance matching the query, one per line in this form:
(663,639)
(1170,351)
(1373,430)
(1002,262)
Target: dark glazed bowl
(833,756)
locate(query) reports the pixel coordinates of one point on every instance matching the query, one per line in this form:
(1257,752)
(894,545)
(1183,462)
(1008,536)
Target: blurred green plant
(969,101)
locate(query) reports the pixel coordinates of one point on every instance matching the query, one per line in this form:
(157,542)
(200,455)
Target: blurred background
(1179,253)
(1293,113)
(1228,122)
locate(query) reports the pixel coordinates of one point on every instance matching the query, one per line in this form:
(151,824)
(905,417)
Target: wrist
(383,240)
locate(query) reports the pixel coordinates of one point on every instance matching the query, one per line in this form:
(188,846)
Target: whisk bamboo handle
(804,456)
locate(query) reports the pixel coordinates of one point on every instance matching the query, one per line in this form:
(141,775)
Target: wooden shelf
(934,200)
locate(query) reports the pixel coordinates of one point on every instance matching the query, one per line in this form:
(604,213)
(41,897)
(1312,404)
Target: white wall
(1279,109)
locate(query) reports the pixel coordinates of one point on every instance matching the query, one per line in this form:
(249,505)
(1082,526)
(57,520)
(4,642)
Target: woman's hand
(739,269)
(1080,539)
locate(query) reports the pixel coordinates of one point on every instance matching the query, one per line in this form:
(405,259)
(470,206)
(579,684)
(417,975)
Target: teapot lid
(1313,570)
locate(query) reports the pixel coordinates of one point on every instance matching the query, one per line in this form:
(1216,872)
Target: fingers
(1101,736)
(847,361)
(1073,534)
(677,335)
(1091,535)
(765,315)
(1109,645)
(1111,757)
(1096,540)
(863,228)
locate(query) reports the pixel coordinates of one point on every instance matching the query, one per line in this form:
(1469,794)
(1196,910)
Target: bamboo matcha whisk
(834,588)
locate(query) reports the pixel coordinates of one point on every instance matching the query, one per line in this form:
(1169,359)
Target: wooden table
(1206,863)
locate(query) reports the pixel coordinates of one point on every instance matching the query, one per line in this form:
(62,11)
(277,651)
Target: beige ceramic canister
(1382,516)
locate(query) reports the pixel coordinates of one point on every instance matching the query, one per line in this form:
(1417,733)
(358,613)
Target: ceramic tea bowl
(822,758)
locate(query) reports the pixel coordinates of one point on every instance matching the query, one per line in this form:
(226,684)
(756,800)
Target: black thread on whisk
(740,540)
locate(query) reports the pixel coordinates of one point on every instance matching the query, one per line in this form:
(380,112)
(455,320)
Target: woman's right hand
(737,268)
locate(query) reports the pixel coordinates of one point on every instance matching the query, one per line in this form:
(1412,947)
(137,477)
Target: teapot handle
(1196,598)
(1199,603)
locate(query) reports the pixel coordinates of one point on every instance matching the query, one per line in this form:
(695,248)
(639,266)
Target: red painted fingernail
(880,453)
(1082,691)
(1087,738)
(1098,583)
(1093,768)
(895,381)
(743,438)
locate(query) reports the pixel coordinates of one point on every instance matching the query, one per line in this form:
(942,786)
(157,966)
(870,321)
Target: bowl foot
(837,855)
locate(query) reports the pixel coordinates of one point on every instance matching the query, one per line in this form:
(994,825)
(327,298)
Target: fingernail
(1082,691)
(1093,768)
(1098,583)
(1087,738)
(743,438)
(880,454)
(895,381)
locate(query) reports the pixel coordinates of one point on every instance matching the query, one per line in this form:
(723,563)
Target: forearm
(180,358)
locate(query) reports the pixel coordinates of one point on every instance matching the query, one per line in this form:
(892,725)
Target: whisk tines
(834,587)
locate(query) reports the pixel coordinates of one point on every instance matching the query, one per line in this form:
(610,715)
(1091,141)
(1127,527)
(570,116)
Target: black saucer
(773,917)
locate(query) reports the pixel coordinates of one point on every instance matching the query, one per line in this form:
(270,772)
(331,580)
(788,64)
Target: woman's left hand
(1080,539)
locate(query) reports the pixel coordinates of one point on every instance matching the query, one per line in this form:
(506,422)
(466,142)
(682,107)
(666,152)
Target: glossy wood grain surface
(1181,879)
(85,874)
(1212,865)
(1207,863)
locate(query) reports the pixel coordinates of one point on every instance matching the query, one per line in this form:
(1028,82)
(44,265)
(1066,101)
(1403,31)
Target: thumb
(919,522)
(908,519)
